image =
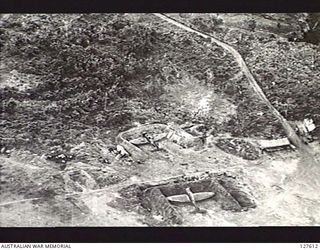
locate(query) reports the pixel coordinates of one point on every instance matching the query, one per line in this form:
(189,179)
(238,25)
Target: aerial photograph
(160,119)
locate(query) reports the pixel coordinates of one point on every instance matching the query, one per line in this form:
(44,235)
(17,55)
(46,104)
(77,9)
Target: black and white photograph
(159,119)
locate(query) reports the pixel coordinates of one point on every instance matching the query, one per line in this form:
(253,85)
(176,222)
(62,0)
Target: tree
(252,25)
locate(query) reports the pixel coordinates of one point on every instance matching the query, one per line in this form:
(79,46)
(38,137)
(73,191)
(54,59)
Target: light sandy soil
(276,204)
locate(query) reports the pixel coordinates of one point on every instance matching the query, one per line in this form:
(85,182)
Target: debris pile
(91,152)
(59,155)
(90,177)
(239,147)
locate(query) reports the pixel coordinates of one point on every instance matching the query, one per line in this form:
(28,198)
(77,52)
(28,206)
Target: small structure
(274,145)
(304,129)
(309,125)
(121,152)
